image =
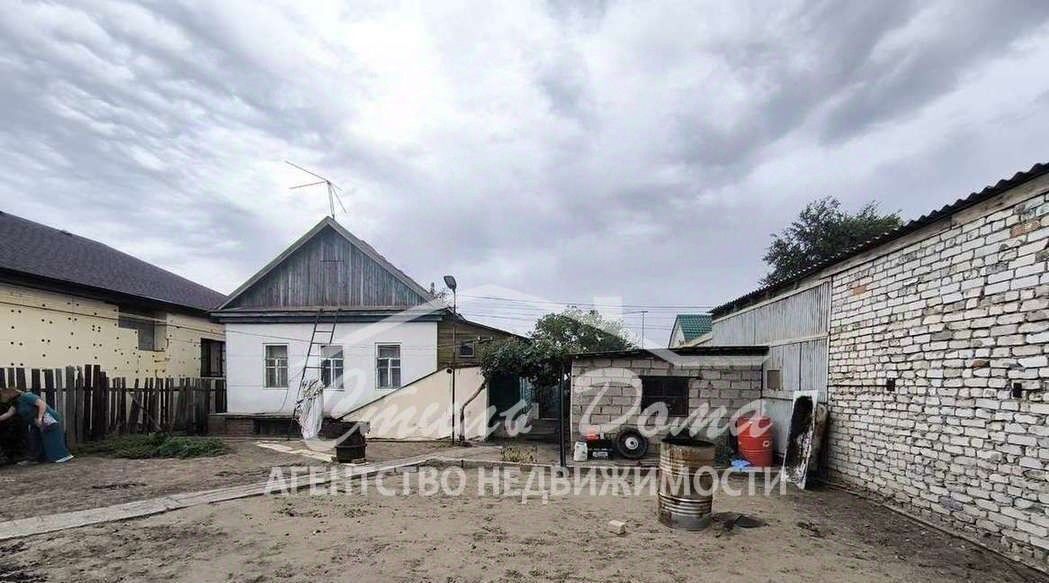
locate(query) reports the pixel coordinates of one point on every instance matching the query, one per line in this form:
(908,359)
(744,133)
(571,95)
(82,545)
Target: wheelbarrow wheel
(631,444)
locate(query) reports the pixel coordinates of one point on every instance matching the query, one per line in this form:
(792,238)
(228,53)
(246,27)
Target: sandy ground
(547,453)
(91,482)
(826,535)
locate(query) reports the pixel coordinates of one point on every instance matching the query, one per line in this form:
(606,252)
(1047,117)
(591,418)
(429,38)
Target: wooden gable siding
(464,332)
(326,271)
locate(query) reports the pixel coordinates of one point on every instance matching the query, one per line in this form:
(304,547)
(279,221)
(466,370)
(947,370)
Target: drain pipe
(462,412)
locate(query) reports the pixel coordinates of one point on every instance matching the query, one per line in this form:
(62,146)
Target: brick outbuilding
(929,346)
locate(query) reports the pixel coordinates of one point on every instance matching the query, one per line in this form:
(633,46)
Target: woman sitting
(44,424)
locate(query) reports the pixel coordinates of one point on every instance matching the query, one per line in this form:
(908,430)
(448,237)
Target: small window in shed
(466,349)
(671,391)
(773,379)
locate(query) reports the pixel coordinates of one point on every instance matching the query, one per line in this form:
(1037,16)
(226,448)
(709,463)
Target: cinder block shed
(632,388)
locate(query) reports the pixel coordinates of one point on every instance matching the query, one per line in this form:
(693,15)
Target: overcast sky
(565,150)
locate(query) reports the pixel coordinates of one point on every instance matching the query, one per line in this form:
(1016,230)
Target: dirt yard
(826,535)
(92,482)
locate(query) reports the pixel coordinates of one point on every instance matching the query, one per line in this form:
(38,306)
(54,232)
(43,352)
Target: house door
(504,392)
(212,358)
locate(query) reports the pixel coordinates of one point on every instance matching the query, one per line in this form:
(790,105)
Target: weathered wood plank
(329,271)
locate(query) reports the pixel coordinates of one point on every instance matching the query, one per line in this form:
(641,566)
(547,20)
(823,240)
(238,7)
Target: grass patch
(156,445)
(520,454)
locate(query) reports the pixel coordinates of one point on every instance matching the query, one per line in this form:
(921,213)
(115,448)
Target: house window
(150,334)
(388,366)
(212,358)
(671,391)
(773,379)
(331,367)
(466,349)
(277,365)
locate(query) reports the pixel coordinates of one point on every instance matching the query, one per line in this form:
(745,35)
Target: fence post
(102,388)
(202,405)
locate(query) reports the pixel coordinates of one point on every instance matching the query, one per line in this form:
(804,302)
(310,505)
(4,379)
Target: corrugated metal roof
(963,203)
(680,351)
(34,250)
(694,325)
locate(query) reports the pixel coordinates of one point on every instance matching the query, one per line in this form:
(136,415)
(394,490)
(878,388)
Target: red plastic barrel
(755,439)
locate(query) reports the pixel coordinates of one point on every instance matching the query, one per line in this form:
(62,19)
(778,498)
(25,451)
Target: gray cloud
(565,149)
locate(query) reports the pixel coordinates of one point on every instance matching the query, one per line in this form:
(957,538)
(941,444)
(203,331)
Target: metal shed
(794,326)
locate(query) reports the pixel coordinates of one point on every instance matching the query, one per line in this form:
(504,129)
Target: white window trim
(287,367)
(400,367)
(342,367)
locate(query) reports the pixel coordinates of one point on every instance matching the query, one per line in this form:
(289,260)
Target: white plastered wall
(245,363)
(423,411)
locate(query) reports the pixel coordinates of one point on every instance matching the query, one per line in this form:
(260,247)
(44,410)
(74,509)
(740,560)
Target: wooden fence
(94,406)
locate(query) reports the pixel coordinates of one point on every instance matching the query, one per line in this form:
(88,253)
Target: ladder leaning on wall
(311,388)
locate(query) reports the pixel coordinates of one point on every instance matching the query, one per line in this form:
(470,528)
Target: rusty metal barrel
(686,480)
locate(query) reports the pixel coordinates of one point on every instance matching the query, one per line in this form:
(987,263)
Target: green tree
(822,231)
(541,358)
(576,330)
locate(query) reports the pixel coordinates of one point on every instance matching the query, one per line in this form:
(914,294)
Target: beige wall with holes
(41,329)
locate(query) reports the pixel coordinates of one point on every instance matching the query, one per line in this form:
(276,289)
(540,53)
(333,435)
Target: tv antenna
(333,189)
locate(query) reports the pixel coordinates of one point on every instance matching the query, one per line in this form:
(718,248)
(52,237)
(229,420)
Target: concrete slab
(24,527)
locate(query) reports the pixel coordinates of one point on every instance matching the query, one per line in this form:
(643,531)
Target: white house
(331,309)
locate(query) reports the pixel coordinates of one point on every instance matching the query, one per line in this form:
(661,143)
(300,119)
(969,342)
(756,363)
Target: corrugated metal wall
(799,315)
(795,330)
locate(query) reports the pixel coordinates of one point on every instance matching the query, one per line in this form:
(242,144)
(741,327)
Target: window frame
(771,373)
(389,366)
(142,322)
(328,366)
(656,389)
(266,366)
(471,344)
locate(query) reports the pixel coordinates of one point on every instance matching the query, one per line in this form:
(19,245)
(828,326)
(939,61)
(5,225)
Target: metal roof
(31,252)
(680,351)
(694,325)
(972,199)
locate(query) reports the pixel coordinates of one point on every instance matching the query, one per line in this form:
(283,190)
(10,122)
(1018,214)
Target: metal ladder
(304,383)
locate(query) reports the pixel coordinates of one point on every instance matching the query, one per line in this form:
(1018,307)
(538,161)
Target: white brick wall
(957,319)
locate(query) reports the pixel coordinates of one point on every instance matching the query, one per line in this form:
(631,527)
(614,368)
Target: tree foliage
(539,362)
(576,330)
(541,357)
(821,231)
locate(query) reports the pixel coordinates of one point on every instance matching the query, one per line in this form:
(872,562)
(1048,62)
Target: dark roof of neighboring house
(680,351)
(694,325)
(36,252)
(972,199)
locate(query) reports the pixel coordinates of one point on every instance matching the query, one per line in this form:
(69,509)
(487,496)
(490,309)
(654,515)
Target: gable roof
(327,222)
(694,325)
(36,252)
(454,317)
(989,192)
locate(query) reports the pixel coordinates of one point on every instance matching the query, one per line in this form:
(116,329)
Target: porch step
(542,430)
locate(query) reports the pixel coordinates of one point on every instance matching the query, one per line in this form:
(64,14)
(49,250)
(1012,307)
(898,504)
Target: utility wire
(591,303)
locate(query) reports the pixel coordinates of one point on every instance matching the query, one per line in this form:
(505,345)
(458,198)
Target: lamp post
(450,282)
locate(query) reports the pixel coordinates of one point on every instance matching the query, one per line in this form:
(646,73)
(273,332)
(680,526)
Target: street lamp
(449,281)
